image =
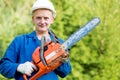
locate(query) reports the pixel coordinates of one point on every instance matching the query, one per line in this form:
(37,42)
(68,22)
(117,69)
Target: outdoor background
(95,57)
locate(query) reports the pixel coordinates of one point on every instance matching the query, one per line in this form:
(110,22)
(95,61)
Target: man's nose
(42,20)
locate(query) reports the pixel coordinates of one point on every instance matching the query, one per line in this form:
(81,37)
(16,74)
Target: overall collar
(33,35)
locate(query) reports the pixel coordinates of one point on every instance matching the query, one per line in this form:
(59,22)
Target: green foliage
(96,56)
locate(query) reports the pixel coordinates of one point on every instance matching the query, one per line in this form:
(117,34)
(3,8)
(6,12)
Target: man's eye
(38,17)
(46,18)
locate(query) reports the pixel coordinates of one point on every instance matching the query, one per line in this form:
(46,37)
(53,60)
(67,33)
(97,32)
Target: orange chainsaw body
(53,56)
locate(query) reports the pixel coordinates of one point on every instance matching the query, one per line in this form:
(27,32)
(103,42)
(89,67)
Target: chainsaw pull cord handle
(42,50)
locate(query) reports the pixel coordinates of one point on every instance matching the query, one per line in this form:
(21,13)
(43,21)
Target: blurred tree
(96,56)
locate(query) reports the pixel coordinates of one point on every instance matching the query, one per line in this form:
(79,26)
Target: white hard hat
(43,4)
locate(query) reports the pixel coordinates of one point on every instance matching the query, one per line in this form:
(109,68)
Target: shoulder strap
(55,38)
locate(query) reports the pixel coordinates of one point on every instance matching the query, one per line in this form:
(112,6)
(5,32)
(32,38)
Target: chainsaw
(49,56)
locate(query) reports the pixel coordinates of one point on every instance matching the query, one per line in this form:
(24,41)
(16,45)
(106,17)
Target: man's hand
(26,68)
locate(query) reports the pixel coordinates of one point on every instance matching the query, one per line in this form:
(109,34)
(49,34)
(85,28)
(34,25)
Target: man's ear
(32,19)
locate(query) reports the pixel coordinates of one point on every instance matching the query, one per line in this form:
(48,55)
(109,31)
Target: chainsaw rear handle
(39,73)
(35,76)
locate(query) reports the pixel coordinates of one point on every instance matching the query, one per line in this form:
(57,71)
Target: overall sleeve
(8,63)
(65,68)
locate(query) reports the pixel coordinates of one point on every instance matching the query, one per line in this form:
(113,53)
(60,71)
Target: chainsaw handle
(35,76)
(42,51)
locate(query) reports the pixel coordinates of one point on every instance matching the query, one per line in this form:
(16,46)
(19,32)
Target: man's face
(42,18)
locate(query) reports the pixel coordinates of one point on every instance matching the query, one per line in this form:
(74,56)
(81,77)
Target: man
(18,56)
